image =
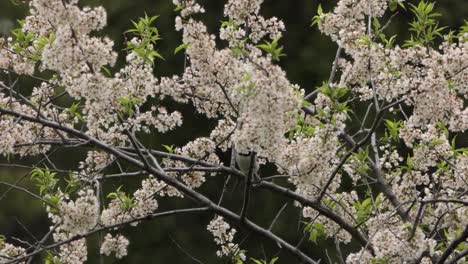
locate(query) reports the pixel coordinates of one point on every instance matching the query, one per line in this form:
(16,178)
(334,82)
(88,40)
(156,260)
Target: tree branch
(453,245)
(187,191)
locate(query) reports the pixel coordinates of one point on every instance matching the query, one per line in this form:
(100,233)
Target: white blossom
(117,245)
(224,236)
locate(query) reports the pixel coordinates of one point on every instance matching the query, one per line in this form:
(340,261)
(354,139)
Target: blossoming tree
(407,201)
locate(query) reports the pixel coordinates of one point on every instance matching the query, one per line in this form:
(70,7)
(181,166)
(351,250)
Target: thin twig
(247,186)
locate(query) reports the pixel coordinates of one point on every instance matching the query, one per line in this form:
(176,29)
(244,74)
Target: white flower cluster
(202,149)
(449,217)
(9,251)
(347,21)
(342,205)
(257,105)
(190,7)
(74,252)
(392,243)
(79,216)
(117,244)
(431,150)
(267,111)
(238,10)
(74,217)
(15,131)
(254,91)
(19,63)
(143,204)
(158,118)
(390,158)
(221,133)
(72,49)
(95,162)
(223,236)
(77,58)
(311,161)
(433,83)
(418,73)
(355,168)
(261,27)
(246,13)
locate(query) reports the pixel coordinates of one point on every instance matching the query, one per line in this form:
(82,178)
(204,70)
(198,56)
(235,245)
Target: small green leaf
(169,149)
(179,8)
(393,5)
(147,35)
(181,47)
(273,49)
(256,261)
(45,180)
(317,19)
(316,231)
(106,70)
(376,24)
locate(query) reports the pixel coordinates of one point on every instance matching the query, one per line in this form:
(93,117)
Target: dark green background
(308,61)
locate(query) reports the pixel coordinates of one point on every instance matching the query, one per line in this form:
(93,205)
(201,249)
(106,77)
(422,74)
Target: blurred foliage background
(308,62)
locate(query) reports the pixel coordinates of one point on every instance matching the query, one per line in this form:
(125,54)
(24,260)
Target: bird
(243,162)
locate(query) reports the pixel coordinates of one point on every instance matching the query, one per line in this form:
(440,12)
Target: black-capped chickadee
(243,161)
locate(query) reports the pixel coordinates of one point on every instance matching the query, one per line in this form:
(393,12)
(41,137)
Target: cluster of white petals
(74,252)
(201,149)
(393,243)
(18,63)
(77,58)
(95,162)
(223,236)
(144,204)
(9,251)
(75,217)
(344,208)
(117,245)
(432,83)
(248,88)
(256,105)
(311,161)
(16,131)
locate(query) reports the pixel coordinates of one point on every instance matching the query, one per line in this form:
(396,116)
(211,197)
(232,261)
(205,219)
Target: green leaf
(273,49)
(239,257)
(364,209)
(317,19)
(463,30)
(53,201)
(179,8)
(364,41)
(378,261)
(73,111)
(106,70)
(44,179)
(376,24)
(128,103)
(228,23)
(73,184)
(256,261)
(316,231)
(51,259)
(169,149)
(393,5)
(273,260)
(148,35)
(2,241)
(424,27)
(443,128)
(181,47)
(126,202)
